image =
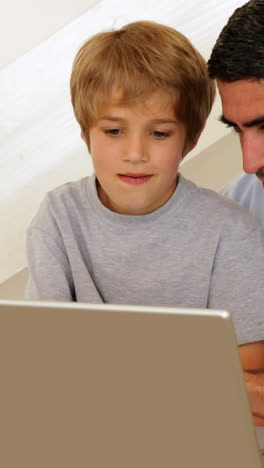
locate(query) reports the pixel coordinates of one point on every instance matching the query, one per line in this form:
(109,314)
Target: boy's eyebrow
(164,121)
(251,123)
(109,117)
(118,119)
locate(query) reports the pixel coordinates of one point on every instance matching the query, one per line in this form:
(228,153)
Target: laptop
(112,386)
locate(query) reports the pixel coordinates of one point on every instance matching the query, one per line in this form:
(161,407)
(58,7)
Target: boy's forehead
(159,103)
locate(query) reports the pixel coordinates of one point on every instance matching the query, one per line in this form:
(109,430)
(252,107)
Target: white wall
(40,145)
(26,23)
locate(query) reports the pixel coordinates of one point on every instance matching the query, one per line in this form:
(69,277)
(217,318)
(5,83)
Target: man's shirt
(247,190)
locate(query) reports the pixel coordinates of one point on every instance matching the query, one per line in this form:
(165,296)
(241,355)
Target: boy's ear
(189,147)
(192,146)
(86,141)
(83,137)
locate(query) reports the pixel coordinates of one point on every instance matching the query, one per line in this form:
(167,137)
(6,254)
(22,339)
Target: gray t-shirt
(198,250)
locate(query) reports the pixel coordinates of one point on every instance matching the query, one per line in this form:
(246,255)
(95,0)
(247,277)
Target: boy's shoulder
(208,197)
(68,199)
(68,190)
(217,206)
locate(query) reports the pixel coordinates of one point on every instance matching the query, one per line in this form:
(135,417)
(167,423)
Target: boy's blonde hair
(138,59)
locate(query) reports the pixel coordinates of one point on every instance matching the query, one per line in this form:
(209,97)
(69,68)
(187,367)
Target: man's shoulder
(240,188)
(248,191)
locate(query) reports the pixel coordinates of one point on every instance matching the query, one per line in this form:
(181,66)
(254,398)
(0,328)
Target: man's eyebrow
(251,123)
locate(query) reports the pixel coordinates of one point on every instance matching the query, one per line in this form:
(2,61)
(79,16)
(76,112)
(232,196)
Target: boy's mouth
(134,179)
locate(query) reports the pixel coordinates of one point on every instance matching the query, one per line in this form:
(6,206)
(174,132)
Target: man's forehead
(240,89)
(242,101)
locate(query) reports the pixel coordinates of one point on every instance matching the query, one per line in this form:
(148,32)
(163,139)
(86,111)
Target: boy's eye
(160,135)
(113,131)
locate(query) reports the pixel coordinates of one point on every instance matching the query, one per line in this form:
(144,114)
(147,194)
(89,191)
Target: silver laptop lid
(119,386)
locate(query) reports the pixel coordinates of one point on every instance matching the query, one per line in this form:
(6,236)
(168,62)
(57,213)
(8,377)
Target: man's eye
(113,131)
(158,134)
(234,128)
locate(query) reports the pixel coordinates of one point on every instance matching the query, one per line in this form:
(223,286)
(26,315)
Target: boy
(137,232)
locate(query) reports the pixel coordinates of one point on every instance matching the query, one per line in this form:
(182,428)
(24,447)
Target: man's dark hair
(239,50)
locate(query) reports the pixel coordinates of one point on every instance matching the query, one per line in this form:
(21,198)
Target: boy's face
(136,150)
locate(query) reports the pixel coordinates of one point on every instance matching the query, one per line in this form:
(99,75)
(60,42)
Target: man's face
(136,150)
(243,109)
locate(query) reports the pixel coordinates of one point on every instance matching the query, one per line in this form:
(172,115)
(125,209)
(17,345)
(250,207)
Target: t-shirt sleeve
(50,275)
(237,277)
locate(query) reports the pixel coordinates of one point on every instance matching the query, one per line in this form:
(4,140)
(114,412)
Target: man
(237,64)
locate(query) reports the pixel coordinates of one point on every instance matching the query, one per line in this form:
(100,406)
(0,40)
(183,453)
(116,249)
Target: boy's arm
(49,271)
(237,286)
(252,358)
(57,268)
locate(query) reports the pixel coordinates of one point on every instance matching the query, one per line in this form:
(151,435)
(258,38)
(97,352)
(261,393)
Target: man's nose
(253,153)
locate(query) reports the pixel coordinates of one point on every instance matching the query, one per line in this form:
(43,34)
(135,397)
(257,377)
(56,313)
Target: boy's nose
(253,153)
(135,150)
